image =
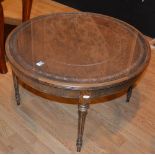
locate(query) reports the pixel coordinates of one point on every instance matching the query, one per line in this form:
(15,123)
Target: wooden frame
(26,7)
(64,79)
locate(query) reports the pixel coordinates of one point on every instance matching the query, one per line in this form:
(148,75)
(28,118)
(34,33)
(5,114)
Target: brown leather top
(79,48)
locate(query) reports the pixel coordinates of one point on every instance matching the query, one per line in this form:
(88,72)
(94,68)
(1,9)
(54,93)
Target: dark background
(138,13)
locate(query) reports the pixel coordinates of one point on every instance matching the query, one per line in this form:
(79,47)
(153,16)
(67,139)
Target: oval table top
(78,50)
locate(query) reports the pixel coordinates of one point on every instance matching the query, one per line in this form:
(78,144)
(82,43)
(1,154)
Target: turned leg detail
(82,112)
(16,88)
(129,93)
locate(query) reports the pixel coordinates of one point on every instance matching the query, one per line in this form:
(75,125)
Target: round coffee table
(77,55)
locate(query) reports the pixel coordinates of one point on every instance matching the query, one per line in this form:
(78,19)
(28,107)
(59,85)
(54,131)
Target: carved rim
(72,85)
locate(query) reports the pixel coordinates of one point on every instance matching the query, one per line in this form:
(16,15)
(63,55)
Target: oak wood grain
(26,9)
(13,9)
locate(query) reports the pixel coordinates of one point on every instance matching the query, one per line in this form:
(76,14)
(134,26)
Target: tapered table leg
(16,87)
(129,93)
(82,112)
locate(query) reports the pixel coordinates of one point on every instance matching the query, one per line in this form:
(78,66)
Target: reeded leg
(82,112)
(16,87)
(129,93)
